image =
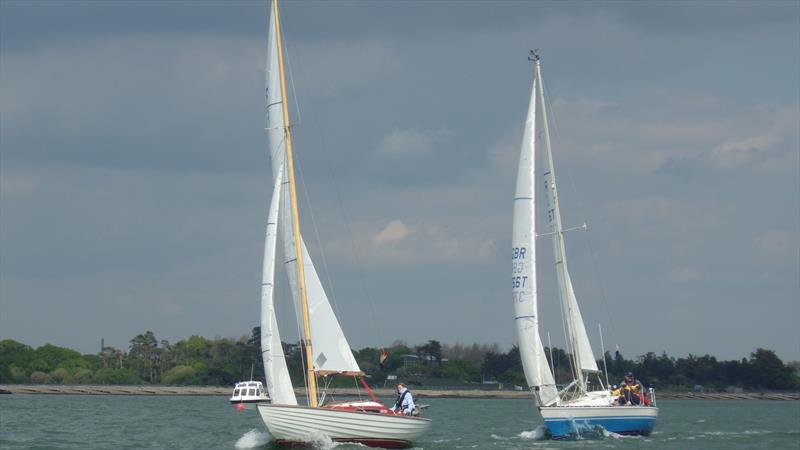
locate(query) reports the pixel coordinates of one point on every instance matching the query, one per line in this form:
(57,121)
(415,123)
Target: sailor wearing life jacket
(405,402)
(631,391)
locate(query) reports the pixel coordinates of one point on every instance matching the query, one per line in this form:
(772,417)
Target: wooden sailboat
(326,351)
(574,408)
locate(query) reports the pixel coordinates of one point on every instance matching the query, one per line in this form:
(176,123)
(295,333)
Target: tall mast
(554,217)
(301,278)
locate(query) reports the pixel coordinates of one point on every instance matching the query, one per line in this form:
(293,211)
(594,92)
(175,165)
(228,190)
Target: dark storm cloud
(135,180)
(29,23)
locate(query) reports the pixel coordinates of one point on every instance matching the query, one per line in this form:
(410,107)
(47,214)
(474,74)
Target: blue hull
(571,428)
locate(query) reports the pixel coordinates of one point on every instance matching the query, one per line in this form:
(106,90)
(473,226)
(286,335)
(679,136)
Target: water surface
(163,422)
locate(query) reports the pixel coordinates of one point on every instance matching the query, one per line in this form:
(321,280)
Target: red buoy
(240,406)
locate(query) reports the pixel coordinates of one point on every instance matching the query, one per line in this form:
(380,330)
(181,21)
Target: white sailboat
(573,409)
(326,351)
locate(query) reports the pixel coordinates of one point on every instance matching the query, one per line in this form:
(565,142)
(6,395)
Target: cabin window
(235,392)
(251,392)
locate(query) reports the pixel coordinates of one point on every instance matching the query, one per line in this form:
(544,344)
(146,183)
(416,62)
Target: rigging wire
(299,173)
(559,234)
(594,259)
(307,197)
(345,218)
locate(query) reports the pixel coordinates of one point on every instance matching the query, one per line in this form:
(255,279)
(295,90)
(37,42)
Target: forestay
(331,351)
(278,383)
(578,339)
(523,275)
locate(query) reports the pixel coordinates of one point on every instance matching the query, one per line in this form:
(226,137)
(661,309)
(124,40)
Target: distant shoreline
(49,389)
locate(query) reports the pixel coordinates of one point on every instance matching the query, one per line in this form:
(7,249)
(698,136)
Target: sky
(135,181)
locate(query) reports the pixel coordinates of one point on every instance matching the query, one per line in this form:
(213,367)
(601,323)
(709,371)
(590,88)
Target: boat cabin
(249,392)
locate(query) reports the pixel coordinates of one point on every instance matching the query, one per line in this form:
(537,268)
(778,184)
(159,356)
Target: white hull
(290,424)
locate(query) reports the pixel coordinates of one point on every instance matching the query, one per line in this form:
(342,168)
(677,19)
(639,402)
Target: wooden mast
(301,278)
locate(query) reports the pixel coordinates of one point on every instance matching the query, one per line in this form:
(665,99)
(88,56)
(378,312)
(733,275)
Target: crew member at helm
(405,401)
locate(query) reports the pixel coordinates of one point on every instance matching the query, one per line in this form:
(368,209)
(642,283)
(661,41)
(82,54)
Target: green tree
(505,367)
(116,377)
(39,377)
(17,355)
(180,375)
(462,370)
(59,376)
(770,371)
(47,357)
(143,355)
(431,350)
(81,376)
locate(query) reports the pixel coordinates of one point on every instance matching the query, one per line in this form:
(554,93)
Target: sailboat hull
(302,424)
(564,422)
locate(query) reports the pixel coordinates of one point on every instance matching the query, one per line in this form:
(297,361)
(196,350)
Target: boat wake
(611,434)
(253,439)
(538,434)
(321,441)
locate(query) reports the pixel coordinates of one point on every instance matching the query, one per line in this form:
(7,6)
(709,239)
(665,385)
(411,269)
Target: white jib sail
(279,385)
(331,351)
(523,272)
(576,330)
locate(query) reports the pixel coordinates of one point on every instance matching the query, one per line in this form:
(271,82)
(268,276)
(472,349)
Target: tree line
(224,361)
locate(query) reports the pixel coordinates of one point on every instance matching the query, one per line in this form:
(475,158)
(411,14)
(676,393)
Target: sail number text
(518,282)
(517,266)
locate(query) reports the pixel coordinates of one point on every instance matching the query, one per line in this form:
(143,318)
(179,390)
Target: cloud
(394,231)
(132,101)
(18,183)
(685,274)
(778,245)
(583,106)
(644,209)
(403,143)
(741,152)
(350,66)
(419,244)
(133,156)
(762,146)
(684,135)
(504,153)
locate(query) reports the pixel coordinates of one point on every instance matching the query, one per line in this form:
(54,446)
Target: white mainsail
(331,351)
(578,340)
(278,383)
(523,274)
